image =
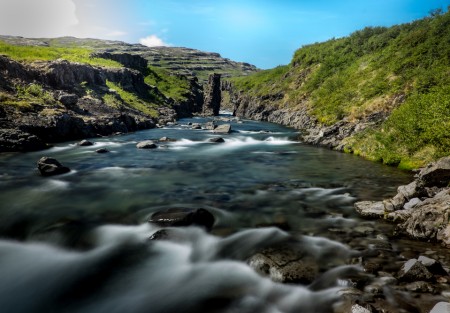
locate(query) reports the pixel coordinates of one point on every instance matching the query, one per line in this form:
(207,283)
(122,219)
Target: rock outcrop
(212,96)
(422,208)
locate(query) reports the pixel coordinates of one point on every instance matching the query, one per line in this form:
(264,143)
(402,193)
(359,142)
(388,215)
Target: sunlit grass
(38,53)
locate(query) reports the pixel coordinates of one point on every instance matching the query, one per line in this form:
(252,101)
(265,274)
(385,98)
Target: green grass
(28,95)
(38,53)
(367,72)
(172,86)
(129,99)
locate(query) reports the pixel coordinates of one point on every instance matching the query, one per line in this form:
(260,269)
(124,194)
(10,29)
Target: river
(79,242)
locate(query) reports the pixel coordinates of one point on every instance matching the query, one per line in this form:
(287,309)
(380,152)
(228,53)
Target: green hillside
(403,71)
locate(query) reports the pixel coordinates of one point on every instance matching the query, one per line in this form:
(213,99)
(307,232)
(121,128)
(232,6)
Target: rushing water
(79,242)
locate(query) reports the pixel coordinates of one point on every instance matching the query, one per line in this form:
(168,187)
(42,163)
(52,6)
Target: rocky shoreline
(420,209)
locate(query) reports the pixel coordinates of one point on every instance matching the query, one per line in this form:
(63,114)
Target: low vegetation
(42,53)
(119,97)
(403,70)
(28,95)
(171,85)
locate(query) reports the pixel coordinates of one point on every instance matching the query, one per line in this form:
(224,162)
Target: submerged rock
(413,270)
(284,265)
(102,150)
(217,140)
(183,217)
(147,144)
(49,166)
(85,143)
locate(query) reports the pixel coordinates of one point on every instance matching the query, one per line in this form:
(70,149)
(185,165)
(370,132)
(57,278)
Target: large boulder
(370,209)
(183,217)
(49,166)
(147,144)
(413,270)
(429,219)
(436,173)
(223,129)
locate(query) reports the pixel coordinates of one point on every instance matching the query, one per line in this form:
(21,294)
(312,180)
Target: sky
(265,33)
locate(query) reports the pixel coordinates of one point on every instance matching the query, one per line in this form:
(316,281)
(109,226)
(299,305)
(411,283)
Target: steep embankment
(382,93)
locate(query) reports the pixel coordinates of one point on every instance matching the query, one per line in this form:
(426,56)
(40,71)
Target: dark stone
(196,126)
(67,99)
(17,140)
(212,96)
(102,150)
(183,217)
(147,144)
(432,265)
(285,264)
(166,139)
(413,270)
(217,140)
(49,166)
(85,143)
(436,173)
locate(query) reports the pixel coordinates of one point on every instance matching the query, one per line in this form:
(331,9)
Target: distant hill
(189,62)
(382,93)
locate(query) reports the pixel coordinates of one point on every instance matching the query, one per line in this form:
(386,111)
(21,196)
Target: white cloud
(152,41)
(32,18)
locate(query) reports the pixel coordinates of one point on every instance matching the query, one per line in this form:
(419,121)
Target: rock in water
(49,166)
(102,150)
(371,209)
(85,143)
(147,144)
(223,129)
(183,217)
(413,270)
(213,96)
(285,265)
(217,140)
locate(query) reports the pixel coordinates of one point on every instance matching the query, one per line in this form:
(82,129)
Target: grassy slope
(365,73)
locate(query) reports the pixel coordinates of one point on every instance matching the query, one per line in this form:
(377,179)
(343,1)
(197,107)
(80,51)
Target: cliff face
(46,102)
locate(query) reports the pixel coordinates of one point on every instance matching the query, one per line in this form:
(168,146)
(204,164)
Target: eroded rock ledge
(421,209)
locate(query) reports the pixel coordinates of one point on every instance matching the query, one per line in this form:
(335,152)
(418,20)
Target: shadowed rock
(49,166)
(183,217)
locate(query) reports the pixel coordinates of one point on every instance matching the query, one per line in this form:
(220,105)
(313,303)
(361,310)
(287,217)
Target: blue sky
(262,32)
